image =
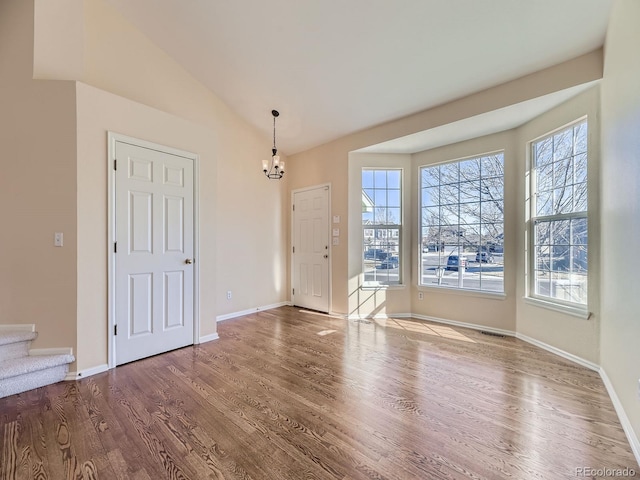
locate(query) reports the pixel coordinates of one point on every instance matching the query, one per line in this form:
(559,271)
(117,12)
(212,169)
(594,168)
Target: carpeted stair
(20,371)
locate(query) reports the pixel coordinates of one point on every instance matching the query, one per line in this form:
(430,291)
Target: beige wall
(37,188)
(57,173)
(241,213)
(329,163)
(486,310)
(371,301)
(620,355)
(576,335)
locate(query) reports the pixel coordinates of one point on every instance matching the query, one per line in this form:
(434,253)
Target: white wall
(620,353)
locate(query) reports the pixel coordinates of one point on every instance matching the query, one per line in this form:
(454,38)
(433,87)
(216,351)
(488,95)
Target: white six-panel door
(311,249)
(154,275)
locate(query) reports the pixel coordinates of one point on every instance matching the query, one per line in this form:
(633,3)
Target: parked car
(454,262)
(484,257)
(390,262)
(376,254)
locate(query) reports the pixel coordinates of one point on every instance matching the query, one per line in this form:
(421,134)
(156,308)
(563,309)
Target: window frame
(481,225)
(532,261)
(384,226)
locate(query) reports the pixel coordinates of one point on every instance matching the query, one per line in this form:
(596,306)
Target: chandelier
(273,169)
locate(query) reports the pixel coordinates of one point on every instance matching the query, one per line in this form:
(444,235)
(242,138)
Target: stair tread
(20,366)
(14,336)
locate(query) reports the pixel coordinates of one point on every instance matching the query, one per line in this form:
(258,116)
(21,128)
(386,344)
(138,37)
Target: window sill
(463,292)
(579,312)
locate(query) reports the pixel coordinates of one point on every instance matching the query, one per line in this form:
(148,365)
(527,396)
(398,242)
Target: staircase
(21,371)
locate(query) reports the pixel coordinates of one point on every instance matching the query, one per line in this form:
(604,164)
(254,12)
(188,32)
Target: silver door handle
(188,261)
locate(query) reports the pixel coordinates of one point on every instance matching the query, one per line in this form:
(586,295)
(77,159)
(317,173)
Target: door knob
(188,261)
(326,256)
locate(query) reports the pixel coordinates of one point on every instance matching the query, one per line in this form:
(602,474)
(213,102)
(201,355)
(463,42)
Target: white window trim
(569,308)
(446,288)
(376,285)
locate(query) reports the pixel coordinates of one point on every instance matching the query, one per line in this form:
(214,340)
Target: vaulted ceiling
(333,67)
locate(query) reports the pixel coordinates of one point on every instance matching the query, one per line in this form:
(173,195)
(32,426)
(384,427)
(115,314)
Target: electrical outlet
(229,295)
(420,295)
(58,239)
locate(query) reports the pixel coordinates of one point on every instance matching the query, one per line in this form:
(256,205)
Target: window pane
(579,231)
(430,176)
(393,198)
(580,168)
(543,152)
(467,250)
(430,196)
(562,173)
(581,137)
(544,204)
(560,232)
(393,179)
(450,194)
(470,170)
(580,197)
(563,144)
(380,178)
(579,258)
(393,216)
(563,200)
(470,213)
(492,166)
(381,206)
(449,174)
(469,191)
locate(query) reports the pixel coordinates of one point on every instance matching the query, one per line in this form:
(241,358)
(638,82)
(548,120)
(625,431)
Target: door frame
(329,240)
(114,138)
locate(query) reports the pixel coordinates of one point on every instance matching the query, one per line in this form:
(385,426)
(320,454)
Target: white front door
(311,249)
(154,275)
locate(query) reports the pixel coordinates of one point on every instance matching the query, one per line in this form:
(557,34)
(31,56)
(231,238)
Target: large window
(559,216)
(382,226)
(462,224)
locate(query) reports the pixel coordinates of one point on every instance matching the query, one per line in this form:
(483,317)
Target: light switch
(336,240)
(57,239)
(336,219)
(336,232)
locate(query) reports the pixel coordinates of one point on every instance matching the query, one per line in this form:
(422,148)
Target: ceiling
(334,67)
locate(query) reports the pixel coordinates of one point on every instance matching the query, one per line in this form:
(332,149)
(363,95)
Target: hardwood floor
(286,394)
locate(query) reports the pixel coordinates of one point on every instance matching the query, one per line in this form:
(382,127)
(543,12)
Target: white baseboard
(71,376)
(569,356)
(28,327)
(39,352)
(229,316)
(208,338)
(472,326)
(377,316)
(622,416)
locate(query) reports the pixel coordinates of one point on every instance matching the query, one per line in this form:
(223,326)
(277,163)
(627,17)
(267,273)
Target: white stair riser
(29,381)
(14,350)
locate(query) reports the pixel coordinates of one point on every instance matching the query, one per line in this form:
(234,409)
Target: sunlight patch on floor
(419,327)
(326,332)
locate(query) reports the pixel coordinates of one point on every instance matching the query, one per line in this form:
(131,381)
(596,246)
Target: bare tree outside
(559,215)
(462,216)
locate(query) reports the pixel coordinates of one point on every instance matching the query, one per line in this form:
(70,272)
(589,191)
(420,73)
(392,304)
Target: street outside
(476,275)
